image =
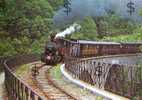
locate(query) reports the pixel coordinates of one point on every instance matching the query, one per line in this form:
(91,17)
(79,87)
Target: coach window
(97,46)
(87,46)
(105,47)
(64,43)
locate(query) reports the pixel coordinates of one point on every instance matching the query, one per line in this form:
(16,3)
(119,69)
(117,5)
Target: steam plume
(71,29)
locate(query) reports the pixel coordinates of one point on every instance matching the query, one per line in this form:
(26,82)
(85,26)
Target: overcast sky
(93,8)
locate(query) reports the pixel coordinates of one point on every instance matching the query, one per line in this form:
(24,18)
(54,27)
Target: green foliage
(30,17)
(38,45)
(13,46)
(6,48)
(56,4)
(23,23)
(21,45)
(109,25)
(140,12)
(115,25)
(134,37)
(88,30)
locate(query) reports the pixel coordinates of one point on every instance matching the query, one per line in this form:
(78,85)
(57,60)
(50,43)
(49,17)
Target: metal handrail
(92,67)
(77,60)
(16,88)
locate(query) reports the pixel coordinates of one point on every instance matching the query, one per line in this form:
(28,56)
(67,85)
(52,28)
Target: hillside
(26,24)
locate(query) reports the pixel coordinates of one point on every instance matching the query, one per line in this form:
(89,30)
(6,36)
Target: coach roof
(97,42)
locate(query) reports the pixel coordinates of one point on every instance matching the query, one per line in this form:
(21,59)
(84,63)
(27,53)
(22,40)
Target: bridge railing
(16,88)
(2,59)
(121,79)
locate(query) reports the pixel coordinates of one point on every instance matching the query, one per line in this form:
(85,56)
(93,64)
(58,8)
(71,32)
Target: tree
(22,22)
(28,17)
(113,25)
(99,27)
(88,30)
(56,4)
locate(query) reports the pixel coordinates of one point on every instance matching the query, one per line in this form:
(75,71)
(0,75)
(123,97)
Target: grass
(22,70)
(56,73)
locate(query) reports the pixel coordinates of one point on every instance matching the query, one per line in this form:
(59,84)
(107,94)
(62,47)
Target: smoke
(71,29)
(97,8)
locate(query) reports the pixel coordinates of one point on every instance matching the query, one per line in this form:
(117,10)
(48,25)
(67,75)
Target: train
(58,49)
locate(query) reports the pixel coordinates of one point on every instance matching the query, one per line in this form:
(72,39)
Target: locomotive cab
(51,55)
(50,48)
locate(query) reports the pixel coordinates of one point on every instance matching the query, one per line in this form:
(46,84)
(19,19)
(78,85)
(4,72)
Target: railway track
(49,88)
(43,80)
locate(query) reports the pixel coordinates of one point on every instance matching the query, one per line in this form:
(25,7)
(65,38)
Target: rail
(99,73)
(123,79)
(16,88)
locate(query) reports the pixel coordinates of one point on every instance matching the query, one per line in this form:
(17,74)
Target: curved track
(43,80)
(49,87)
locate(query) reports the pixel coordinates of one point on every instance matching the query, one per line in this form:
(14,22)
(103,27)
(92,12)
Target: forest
(25,26)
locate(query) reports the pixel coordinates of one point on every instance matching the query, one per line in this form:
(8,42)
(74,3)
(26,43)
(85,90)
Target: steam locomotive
(58,49)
